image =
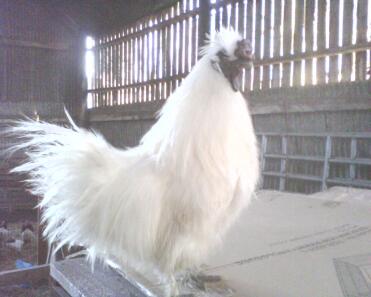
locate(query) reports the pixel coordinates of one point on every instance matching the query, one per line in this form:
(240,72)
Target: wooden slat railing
(318,160)
(296,43)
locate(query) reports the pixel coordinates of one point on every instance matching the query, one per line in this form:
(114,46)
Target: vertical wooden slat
(153,61)
(168,57)
(194,41)
(298,39)
(217,14)
(309,37)
(234,16)
(95,80)
(175,52)
(287,34)
(267,40)
(145,62)
(321,41)
(104,65)
(181,46)
(126,67)
(241,19)
(119,65)
(258,36)
(113,72)
(164,60)
(140,67)
(113,66)
(109,71)
(108,77)
(203,22)
(100,72)
(246,16)
(187,44)
(136,68)
(148,67)
(131,68)
(116,73)
(346,69)
(225,16)
(334,40)
(276,42)
(158,68)
(360,64)
(123,65)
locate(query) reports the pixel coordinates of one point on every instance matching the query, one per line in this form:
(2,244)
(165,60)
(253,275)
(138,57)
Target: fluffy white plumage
(166,202)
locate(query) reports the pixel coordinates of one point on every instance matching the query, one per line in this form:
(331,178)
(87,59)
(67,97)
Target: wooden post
(353,155)
(42,244)
(282,185)
(263,150)
(204,22)
(326,163)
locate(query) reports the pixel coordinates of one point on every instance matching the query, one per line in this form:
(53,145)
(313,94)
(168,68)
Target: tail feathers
(65,167)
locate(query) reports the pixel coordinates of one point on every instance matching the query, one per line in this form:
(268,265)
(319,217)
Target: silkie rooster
(167,202)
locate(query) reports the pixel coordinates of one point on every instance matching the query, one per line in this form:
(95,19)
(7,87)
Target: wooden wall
(41,58)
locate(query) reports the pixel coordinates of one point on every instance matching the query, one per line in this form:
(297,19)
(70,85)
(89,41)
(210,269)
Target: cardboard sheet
(294,245)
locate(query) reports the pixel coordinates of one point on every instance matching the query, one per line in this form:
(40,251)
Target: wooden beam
(18,276)
(359,47)
(42,245)
(154,27)
(32,44)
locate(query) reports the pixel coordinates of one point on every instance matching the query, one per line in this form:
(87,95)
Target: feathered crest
(225,39)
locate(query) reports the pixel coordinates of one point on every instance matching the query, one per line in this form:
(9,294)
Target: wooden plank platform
(77,279)
(74,277)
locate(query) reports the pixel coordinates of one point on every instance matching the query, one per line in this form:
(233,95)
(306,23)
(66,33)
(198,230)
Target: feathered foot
(174,288)
(198,280)
(197,284)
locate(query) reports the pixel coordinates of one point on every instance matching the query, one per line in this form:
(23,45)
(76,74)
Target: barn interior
(113,63)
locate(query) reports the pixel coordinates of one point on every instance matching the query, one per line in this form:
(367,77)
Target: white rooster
(169,200)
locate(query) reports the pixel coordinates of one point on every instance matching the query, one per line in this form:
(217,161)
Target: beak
(244,53)
(232,69)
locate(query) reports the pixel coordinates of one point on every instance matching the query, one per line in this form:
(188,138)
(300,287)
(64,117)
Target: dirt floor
(41,290)
(28,253)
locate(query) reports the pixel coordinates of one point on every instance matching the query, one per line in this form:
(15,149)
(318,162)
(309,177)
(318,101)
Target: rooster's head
(230,54)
